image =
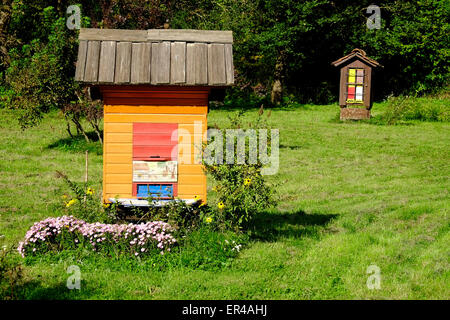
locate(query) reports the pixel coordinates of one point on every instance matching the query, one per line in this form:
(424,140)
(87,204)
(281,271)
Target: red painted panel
(143,127)
(154,139)
(148,151)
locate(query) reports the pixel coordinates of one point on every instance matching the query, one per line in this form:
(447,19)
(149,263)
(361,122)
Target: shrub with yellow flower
(220,205)
(90,191)
(208,220)
(247,181)
(71,203)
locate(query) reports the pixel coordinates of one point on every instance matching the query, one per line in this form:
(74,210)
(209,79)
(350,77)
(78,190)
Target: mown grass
(351,195)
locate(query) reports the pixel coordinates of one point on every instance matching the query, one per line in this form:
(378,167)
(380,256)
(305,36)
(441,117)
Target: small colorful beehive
(155,86)
(355,95)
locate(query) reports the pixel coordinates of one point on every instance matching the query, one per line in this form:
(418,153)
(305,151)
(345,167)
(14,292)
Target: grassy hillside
(351,195)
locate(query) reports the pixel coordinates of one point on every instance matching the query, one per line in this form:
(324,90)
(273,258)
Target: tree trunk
(81,129)
(68,128)
(5,38)
(277,92)
(276,95)
(97,131)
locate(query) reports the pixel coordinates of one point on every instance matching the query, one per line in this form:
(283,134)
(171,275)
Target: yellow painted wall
(118,147)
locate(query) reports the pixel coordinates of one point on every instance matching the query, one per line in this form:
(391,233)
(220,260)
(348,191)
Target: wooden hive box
(155,86)
(355,89)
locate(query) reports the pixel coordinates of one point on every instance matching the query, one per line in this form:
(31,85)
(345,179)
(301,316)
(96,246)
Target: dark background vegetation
(292,42)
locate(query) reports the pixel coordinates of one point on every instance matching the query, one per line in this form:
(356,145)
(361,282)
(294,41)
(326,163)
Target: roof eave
(350,56)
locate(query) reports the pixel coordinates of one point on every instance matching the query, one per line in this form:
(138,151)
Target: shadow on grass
(272,226)
(377,120)
(78,144)
(283,146)
(35,290)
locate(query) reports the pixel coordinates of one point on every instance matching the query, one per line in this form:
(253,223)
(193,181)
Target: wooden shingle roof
(156,57)
(359,54)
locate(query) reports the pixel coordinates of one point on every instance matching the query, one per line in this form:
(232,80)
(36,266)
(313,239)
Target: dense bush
(202,248)
(177,213)
(404,108)
(241,189)
(67,232)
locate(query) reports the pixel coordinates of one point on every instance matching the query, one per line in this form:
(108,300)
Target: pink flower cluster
(135,238)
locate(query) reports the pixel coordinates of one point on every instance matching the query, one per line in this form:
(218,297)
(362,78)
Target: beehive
(155,86)
(355,90)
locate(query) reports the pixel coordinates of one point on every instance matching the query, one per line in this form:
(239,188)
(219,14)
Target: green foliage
(241,188)
(351,195)
(11,273)
(412,44)
(177,213)
(84,203)
(40,74)
(304,37)
(202,249)
(205,249)
(292,41)
(404,109)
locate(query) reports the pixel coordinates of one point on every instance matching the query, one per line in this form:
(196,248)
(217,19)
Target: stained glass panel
(359,93)
(355,92)
(351,92)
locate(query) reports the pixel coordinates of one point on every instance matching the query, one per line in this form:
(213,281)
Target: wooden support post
(86,175)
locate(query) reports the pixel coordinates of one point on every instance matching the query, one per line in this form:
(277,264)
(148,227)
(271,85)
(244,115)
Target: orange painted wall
(118,135)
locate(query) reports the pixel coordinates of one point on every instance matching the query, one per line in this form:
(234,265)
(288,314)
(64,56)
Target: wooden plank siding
(160,69)
(122,72)
(216,64)
(118,139)
(177,62)
(107,61)
(81,60)
(140,62)
(92,61)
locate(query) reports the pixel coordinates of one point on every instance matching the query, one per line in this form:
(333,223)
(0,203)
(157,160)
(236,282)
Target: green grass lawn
(351,195)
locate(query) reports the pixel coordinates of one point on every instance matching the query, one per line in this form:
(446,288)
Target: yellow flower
(64,196)
(196,198)
(90,191)
(106,205)
(208,220)
(71,202)
(247,181)
(202,204)
(221,205)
